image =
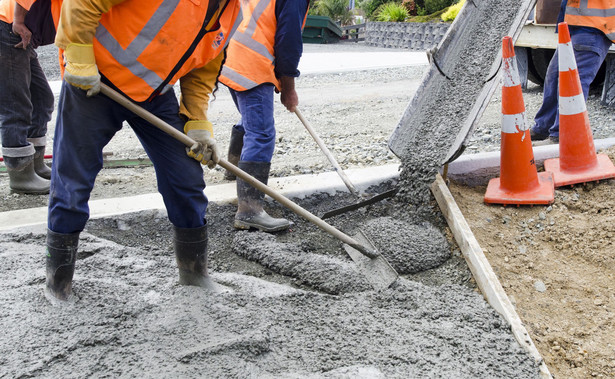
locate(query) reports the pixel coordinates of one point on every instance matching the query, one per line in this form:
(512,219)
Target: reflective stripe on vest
(599,14)
(130,61)
(250,60)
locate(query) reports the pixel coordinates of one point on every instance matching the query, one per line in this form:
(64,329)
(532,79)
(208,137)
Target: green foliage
(337,10)
(422,17)
(452,11)
(391,12)
(432,6)
(369,7)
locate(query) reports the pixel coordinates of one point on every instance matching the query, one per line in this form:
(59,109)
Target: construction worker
(592,31)
(262,58)
(26,100)
(140,48)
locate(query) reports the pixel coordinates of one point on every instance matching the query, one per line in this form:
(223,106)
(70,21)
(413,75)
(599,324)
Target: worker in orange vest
(140,48)
(592,32)
(26,100)
(263,56)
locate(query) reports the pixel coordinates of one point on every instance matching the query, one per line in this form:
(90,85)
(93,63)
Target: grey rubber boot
(23,178)
(40,167)
(250,212)
(61,257)
(234,151)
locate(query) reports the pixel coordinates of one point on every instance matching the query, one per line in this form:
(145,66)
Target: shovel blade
(378,272)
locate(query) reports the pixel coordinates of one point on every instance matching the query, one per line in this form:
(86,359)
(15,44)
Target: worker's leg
(16,115)
(180,181)
(256,108)
(84,126)
(235,144)
(42,103)
(547,114)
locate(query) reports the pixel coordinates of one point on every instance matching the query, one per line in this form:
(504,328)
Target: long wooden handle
(328,154)
(162,125)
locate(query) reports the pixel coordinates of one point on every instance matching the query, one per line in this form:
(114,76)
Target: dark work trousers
(26,100)
(85,125)
(590,49)
(256,108)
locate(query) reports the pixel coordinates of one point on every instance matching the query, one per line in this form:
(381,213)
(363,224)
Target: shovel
(362,202)
(369,262)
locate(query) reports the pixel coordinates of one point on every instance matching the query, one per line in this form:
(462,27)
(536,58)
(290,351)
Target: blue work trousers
(256,108)
(590,49)
(85,125)
(26,100)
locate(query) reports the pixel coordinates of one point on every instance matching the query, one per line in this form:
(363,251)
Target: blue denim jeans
(85,125)
(256,108)
(26,100)
(590,49)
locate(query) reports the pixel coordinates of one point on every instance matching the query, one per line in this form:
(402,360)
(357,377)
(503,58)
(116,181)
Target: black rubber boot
(40,167)
(250,212)
(23,178)
(234,150)
(61,257)
(190,245)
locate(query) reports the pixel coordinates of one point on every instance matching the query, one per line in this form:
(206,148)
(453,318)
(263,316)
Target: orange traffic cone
(578,161)
(519,182)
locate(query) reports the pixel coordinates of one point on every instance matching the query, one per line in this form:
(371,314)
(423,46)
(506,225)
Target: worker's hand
(205,149)
(20,29)
(288,95)
(81,70)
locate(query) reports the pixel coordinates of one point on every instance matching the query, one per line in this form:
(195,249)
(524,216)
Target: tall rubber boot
(234,150)
(40,167)
(23,178)
(250,212)
(61,257)
(190,245)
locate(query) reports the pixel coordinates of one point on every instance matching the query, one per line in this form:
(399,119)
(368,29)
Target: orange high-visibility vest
(144,48)
(7,9)
(599,14)
(250,55)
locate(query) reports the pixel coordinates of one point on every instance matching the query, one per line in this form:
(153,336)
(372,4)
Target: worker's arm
(288,47)
(19,26)
(76,29)
(196,87)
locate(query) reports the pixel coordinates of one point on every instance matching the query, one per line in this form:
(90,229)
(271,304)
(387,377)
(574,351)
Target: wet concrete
(279,318)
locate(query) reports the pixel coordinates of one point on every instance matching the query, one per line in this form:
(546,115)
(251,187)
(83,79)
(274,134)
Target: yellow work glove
(205,149)
(81,70)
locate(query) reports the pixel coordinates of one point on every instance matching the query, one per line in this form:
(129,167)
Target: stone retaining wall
(407,35)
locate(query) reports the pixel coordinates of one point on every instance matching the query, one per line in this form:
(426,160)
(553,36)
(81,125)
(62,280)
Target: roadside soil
(557,264)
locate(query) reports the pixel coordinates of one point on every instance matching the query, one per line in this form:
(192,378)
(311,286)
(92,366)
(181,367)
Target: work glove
(81,70)
(205,149)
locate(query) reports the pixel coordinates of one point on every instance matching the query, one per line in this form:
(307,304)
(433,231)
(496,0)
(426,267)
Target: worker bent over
(140,48)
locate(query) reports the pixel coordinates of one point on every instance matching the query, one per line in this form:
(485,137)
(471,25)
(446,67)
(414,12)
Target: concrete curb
(291,187)
(477,169)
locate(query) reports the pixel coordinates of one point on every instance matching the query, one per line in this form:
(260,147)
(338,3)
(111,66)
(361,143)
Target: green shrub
(432,6)
(392,12)
(369,7)
(337,10)
(452,11)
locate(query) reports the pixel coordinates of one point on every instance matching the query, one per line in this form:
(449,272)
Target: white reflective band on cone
(566,59)
(514,123)
(510,77)
(570,105)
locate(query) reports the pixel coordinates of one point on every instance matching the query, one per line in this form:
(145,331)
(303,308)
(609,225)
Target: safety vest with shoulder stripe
(250,55)
(144,48)
(599,14)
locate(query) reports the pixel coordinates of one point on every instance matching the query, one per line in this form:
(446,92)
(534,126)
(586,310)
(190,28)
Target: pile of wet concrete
(294,308)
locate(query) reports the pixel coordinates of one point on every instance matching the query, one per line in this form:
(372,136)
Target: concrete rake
(369,262)
(361,200)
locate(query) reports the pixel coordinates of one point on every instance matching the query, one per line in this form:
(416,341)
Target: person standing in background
(26,100)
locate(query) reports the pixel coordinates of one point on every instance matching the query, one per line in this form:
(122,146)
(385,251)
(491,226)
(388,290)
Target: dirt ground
(557,264)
